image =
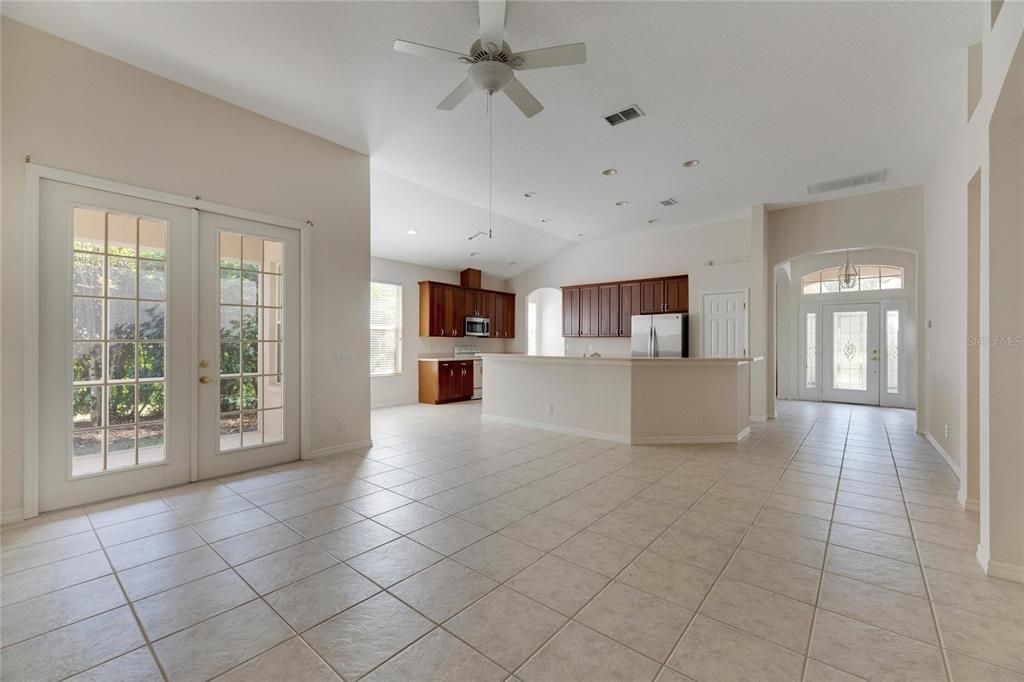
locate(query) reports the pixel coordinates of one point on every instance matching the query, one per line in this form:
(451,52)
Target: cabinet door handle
(442,332)
(451,372)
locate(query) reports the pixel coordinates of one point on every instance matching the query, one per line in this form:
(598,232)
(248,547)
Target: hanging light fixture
(848,274)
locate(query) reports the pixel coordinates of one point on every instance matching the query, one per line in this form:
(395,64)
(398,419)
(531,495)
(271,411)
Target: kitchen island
(642,401)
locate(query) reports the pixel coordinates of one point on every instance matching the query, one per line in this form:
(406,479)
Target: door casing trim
(34,175)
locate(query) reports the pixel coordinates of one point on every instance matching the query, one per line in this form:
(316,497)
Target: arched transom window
(872,278)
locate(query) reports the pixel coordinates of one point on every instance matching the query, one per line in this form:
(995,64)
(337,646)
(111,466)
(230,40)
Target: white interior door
(247,377)
(725,325)
(851,353)
(115,325)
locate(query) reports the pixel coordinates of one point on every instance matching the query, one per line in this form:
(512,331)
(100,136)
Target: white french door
(139,302)
(852,353)
(247,376)
(115,325)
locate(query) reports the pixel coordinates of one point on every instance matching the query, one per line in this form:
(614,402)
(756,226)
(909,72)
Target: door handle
(204,379)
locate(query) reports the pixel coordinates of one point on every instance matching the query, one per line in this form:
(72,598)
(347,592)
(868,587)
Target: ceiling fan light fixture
(610,171)
(692,163)
(530,195)
(622,203)
(491,77)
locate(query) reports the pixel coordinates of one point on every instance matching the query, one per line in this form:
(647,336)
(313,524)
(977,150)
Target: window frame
(397,329)
(816,278)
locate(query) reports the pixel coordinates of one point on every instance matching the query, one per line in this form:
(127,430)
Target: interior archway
(544,322)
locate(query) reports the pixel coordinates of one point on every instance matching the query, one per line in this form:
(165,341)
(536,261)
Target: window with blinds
(385,329)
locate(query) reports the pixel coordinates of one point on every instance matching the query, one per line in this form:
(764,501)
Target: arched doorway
(544,322)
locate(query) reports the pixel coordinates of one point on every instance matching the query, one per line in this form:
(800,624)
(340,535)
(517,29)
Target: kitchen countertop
(616,360)
(447,359)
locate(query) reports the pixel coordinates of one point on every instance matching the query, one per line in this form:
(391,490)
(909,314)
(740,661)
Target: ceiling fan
(492,63)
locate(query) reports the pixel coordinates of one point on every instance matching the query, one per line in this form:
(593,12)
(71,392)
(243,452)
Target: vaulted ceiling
(768,96)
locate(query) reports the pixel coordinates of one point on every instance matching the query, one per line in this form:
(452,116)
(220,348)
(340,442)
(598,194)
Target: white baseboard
(11,516)
(954,465)
(966,504)
(997,569)
(759,418)
(615,438)
(338,449)
(690,440)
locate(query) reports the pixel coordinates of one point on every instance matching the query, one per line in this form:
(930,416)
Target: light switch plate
(344,357)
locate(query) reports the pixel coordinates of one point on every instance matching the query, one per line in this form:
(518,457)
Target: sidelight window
(385,329)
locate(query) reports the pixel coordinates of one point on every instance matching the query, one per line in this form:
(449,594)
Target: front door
(850,352)
(247,377)
(115,329)
(725,325)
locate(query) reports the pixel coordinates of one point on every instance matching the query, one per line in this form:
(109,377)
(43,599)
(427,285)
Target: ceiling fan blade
(427,51)
(560,55)
(457,95)
(523,98)
(492,22)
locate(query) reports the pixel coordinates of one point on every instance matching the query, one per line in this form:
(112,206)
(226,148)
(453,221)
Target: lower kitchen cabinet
(445,381)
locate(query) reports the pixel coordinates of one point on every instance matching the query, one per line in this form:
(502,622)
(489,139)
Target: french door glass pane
(251,313)
(849,350)
(811,360)
(118,325)
(892,340)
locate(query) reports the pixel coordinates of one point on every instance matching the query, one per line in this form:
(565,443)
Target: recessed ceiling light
(474,254)
(653,220)
(582,234)
(410,232)
(692,163)
(610,171)
(530,195)
(622,203)
(545,220)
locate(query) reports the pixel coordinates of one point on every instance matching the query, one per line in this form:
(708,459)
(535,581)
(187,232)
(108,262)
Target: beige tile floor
(827,546)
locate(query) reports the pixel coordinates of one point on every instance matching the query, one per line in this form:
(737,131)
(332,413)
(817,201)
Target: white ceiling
(769,96)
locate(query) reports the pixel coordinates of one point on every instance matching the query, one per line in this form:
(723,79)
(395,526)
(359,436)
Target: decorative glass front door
(851,353)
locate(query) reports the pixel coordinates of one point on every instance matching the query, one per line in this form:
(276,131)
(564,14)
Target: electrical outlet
(551,408)
(946,431)
(339,426)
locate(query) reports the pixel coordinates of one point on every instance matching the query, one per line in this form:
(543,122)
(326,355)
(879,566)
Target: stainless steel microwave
(478,326)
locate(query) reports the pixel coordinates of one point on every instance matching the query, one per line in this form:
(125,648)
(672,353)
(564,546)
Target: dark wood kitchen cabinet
(629,305)
(606,309)
(445,307)
(570,311)
(590,311)
(608,321)
(445,381)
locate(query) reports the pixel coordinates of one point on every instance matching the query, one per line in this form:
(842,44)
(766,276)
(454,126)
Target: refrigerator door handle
(653,341)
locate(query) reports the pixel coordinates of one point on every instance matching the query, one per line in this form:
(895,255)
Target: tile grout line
(924,576)
(824,558)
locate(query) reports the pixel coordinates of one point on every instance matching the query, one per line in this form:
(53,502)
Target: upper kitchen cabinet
(607,309)
(445,307)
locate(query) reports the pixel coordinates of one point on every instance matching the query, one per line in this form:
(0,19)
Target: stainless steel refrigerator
(660,336)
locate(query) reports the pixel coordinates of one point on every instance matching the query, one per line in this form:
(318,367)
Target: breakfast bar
(642,401)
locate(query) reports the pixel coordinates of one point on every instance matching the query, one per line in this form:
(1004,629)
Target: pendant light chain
(490,170)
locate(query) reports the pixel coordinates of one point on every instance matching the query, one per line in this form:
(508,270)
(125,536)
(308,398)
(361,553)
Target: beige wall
(404,388)
(75,109)
(994,149)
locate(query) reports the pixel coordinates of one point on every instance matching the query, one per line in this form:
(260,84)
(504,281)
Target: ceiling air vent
(627,114)
(668,202)
(846,183)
